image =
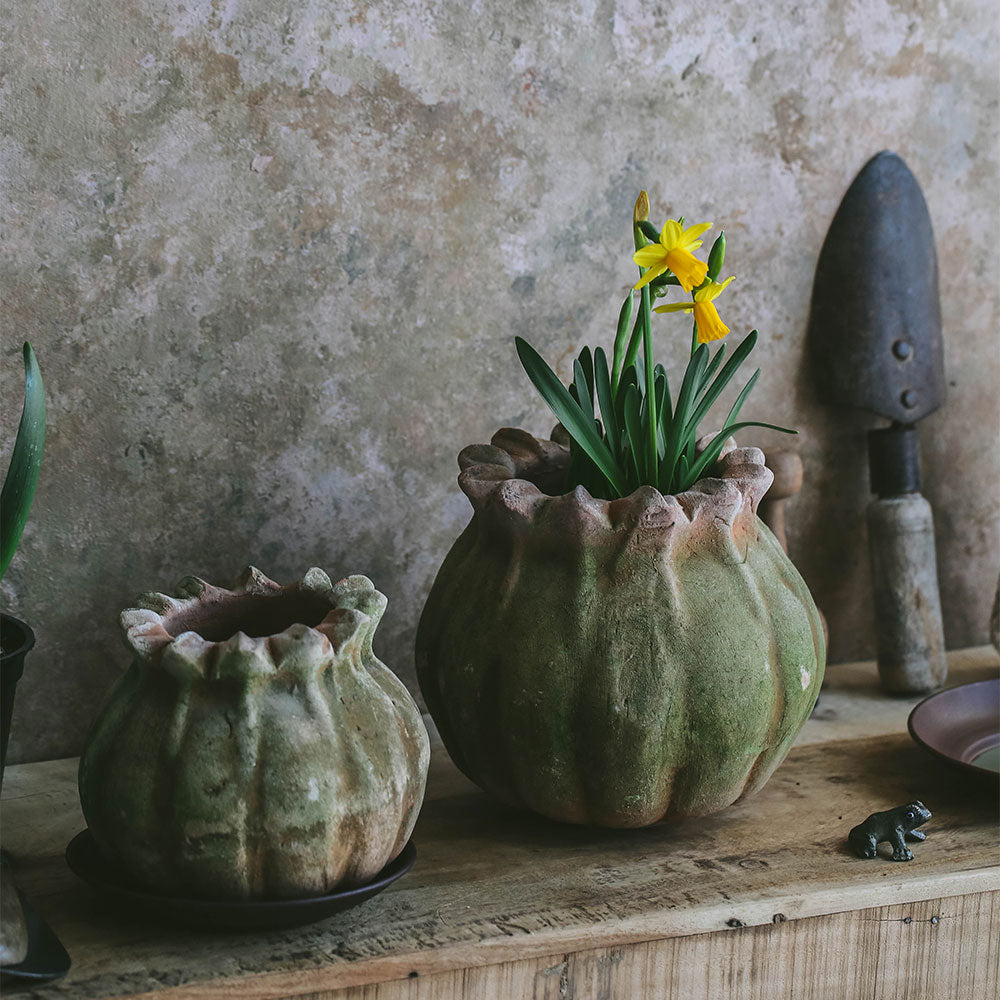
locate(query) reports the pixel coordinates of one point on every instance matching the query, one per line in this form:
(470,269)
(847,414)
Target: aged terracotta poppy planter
(257,748)
(616,662)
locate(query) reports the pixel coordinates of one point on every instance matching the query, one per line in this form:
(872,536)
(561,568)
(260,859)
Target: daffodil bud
(717,257)
(641,211)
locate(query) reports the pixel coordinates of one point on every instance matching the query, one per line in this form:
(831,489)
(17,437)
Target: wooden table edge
(791,905)
(887,884)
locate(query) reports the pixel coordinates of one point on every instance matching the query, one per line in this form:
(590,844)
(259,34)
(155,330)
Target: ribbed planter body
(616,662)
(256,748)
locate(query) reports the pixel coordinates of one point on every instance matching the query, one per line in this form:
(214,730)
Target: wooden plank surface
(941,948)
(495,886)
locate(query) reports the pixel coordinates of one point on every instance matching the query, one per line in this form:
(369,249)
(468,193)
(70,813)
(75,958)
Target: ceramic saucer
(87,862)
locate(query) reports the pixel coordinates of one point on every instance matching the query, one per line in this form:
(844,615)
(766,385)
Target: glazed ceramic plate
(87,862)
(962,725)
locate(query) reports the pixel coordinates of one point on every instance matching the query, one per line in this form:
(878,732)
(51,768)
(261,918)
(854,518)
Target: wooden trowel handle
(908,629)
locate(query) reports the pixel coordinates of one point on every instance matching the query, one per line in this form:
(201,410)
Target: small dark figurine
(892,826)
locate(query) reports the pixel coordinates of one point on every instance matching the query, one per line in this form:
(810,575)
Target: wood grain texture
(853,706)
(941,948)
(494,886)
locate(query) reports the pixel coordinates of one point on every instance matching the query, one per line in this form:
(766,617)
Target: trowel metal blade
(875,319)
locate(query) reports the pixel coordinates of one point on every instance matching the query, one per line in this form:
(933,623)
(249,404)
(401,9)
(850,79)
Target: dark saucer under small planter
(87,863)
(16,641)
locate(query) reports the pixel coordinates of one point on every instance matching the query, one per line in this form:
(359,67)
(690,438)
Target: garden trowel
(875,344)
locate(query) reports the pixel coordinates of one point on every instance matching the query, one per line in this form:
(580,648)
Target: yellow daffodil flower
(710,326)
(674,253)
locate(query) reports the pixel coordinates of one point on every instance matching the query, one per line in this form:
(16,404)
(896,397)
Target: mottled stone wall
(272,256)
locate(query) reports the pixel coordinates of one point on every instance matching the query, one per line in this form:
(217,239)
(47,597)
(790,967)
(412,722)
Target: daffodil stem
(639,240)
(648,365)
(694,338)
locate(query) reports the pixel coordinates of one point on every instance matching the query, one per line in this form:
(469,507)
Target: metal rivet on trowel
(908,398)
(902,349)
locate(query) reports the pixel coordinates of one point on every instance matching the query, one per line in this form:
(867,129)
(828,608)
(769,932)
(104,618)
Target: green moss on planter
(256,748)
(616,662)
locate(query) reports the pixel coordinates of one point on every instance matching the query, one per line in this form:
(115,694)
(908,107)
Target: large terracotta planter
(616,662)
(256,748)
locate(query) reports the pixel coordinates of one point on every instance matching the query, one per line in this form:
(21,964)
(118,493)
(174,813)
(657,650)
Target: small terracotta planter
(616,662)
(256,748)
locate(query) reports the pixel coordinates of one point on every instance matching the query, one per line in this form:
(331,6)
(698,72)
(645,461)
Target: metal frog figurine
(893,826)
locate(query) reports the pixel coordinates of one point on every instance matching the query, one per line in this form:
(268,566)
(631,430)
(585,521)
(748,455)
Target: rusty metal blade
(875,319)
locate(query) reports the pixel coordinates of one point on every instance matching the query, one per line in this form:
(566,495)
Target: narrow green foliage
(682,471)
(711,453)
(649,366)
(621,340)
(633,434)
(25,462)
(635,341)
(629,377)
(580,427)
(626,428)
(606,402)
(677,438)
(587,363)
(662,412)
(582,394)
(741,398)
(713,365)
(724,377)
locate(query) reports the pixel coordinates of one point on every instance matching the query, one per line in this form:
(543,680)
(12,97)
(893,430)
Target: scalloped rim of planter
(503,477)
(151,624)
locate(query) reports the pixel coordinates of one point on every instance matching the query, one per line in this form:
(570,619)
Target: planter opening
(255,615)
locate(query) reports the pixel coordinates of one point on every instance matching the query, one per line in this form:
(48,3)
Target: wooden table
(761,901)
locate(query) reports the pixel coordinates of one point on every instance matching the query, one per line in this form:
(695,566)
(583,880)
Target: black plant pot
(16,640)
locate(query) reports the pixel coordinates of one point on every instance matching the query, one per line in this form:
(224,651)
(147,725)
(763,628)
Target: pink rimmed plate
(962,726)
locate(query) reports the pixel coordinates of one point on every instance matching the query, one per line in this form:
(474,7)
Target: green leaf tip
(25,462)
(578,424)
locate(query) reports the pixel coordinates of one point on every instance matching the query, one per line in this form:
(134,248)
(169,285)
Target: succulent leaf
(25,462)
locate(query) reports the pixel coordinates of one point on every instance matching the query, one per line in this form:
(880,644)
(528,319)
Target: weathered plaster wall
(272,256)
